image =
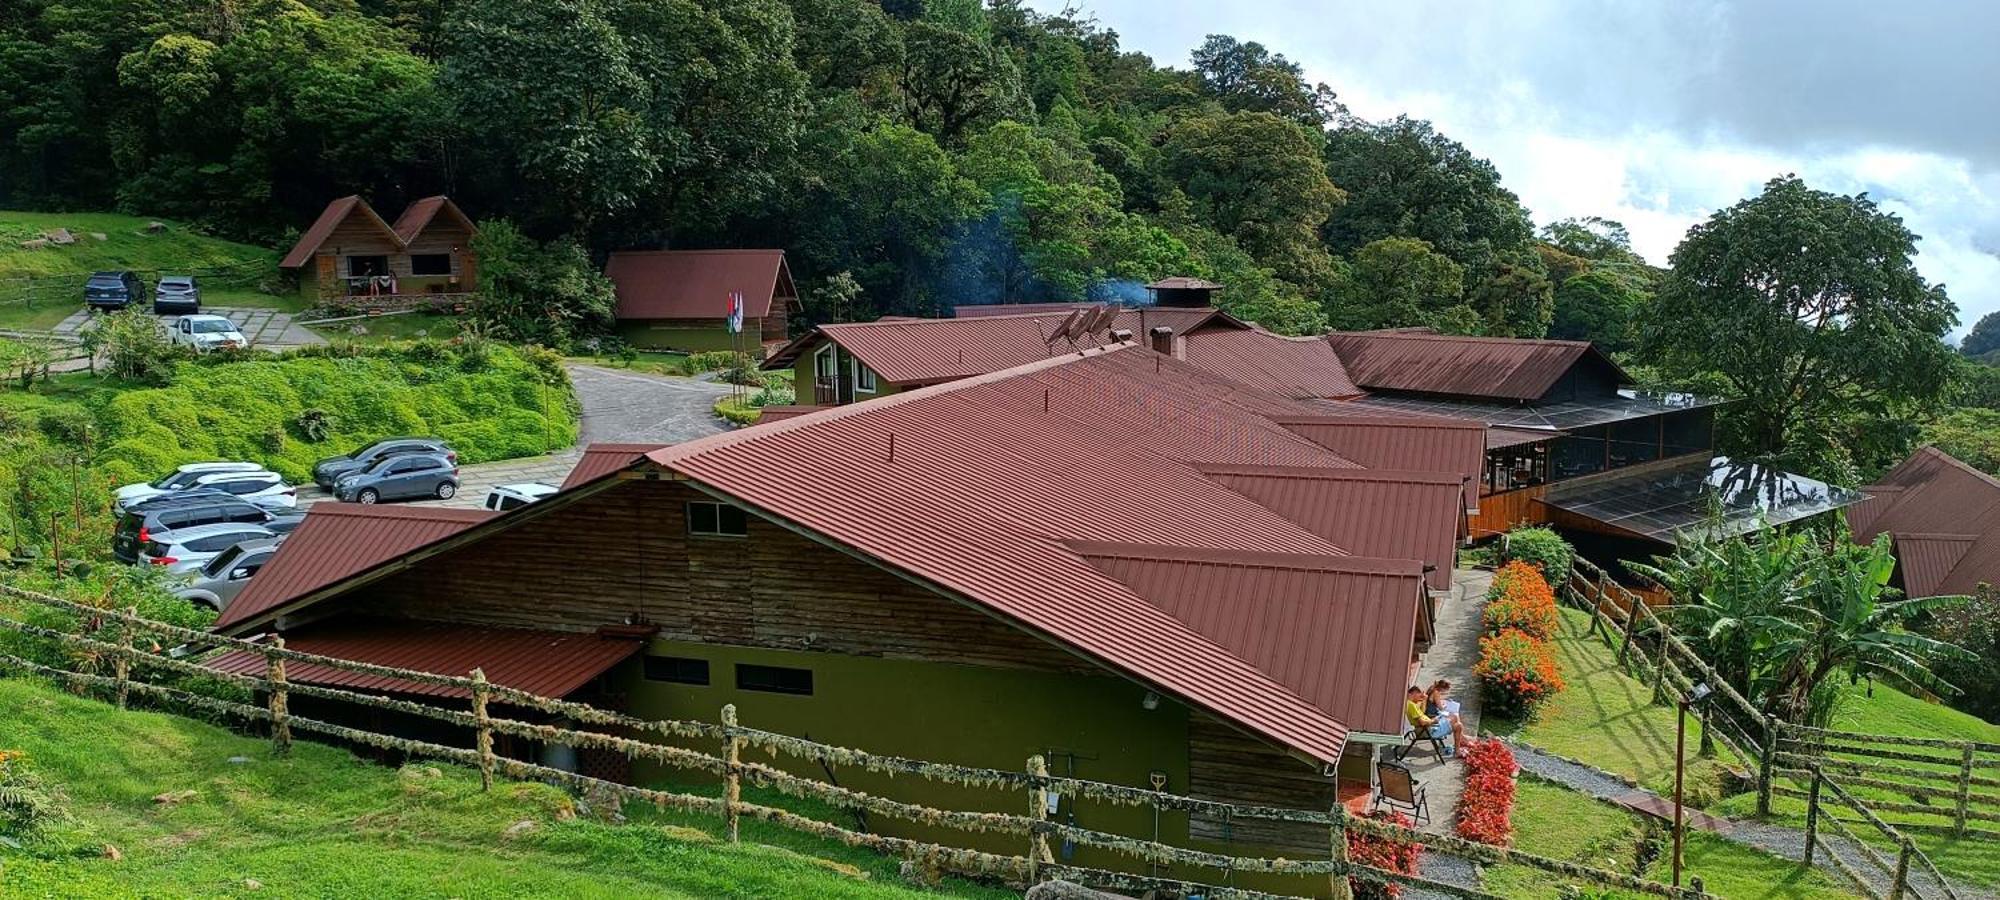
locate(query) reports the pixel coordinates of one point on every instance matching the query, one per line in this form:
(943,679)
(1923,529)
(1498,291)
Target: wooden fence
(1813,760)
(120,637)
(1941,779)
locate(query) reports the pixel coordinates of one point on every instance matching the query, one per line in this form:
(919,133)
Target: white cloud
(1659,114)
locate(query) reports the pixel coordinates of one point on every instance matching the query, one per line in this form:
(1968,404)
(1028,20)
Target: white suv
(205,333)
(177,480)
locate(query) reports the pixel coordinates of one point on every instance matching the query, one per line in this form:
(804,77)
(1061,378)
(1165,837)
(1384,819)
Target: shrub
(135,347)
(739,413)
(1518,670)
(66,425)
(1383,853)
(1486,808)
(711,361)
(1522,600)
(27,805)
(536,293)
(1542,547)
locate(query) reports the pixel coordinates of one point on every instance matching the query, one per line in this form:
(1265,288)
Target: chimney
(1163,340)
(1121,335)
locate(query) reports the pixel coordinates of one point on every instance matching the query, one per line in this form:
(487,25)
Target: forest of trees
(913,155)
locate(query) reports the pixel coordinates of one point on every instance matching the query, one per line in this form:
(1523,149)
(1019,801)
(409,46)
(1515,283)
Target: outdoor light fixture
(1695,695)
(1698,693)
(1152,701)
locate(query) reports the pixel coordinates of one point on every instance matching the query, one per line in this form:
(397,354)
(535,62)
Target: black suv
(187,509)
(112,290)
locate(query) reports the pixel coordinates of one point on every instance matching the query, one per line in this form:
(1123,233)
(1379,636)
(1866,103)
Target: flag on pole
(735,311)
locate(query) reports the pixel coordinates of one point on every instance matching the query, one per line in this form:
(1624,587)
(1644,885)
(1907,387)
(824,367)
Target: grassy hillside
(38,287)
(321,823)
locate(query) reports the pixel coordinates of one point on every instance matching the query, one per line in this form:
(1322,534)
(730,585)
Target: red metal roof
(337,540)
(322,228)
(601,459)
(1407,443)
(1927,560)
(1367,512)
(781,413)
(1944,517)
(695,284)
(418,215)
(1294,367)
(1503,368)
(547,663)
(1338,631)
(987,477)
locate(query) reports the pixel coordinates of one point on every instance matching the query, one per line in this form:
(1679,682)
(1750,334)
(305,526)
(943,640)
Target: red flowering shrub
(1382,853)
(1519,671)
(1521,599)
(1486,809)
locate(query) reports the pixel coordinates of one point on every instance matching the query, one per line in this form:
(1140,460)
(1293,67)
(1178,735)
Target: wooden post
(1812,816)
(1038,809)
(281,729)
(122,666)
(1660,676)
(1707,723)
(1901,884)
(1696,887)
(483,730)
(1767,757)
(1631,625)
(1337,834)
(1964,790)
(732,775)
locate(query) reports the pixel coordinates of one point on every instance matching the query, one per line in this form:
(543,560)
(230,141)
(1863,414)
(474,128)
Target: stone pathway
(264,327)
(1453,652)
(1780,840)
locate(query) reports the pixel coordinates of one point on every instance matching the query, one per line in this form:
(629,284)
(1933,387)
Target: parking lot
(264,327)
(475,481)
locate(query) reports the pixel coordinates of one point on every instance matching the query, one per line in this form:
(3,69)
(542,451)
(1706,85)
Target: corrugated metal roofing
(1405,443)
(601,459)
(1927,559)
(1500,436)
(781,413)
(1184,283)
(547,663)
(1936,509)
(1367,512)
(337,540)
(695,284)
(418,215)
(1505,368)
(322,228)
(1339,632)
(1294,367)
(988,475)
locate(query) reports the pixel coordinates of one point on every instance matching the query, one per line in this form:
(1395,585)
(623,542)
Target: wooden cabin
(351,254)
(679,299)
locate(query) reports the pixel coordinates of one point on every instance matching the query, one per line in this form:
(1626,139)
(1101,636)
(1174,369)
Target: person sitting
(1439,705)
(1431,726)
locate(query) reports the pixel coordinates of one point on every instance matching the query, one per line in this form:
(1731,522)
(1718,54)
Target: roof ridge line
(1361,473)
(1268,559)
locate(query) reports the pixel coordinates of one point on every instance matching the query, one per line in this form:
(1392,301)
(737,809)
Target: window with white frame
(864,378)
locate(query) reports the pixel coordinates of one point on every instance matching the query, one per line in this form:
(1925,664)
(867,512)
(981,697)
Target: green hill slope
(127,245)
(321,823)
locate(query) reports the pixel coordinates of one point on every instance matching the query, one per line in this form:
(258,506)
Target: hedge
(1541,547)
(1486,807)
(1522,600)
(1383,853)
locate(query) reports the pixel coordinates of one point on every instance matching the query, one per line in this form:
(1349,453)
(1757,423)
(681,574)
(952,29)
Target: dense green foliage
(1542,548)
(69,443)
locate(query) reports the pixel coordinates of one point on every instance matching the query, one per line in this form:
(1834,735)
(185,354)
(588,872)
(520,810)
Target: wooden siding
(626,552)
(1502,511)
(356,236)
(1226,764)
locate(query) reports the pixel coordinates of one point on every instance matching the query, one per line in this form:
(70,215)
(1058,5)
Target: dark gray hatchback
(188,509)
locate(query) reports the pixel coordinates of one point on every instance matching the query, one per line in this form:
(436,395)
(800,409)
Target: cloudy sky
(1658,113)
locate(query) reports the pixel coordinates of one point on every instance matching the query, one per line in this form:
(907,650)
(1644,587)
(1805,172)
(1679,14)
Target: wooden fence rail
(1799,753)
(132,667)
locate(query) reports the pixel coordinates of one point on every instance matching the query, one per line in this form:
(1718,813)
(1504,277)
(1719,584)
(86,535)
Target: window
(864,378)
(677,669)
(430,264)
(716,519)
(774,679)
(366,266)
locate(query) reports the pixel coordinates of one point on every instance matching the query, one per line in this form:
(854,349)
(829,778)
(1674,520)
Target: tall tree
(1809,306)
(1599,306)
(1984,337)
(1399,282)
(1248,77)
(953,81)
(1405,179)
(1515,299)
(1257,178)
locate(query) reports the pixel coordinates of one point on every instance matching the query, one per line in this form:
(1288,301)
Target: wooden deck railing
(1814,760)
(118,636)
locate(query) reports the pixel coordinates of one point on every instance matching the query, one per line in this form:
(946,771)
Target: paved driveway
(264,327)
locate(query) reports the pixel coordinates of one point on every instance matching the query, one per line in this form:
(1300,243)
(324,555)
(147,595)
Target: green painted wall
(716,337)
(807,369)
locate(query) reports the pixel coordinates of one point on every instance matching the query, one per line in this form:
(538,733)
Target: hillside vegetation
(196,811)
(127,245)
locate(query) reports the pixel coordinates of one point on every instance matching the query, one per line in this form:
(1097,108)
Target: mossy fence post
(281,726)
(732,774)
(1964,790)
(1038,808)
(1631,628)
(483,734)
(122,665)
(1337,850)
(1812,816)
(1901,884)
(1766,756)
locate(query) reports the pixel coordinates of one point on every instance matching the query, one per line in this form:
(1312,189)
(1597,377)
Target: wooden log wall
(1226,764)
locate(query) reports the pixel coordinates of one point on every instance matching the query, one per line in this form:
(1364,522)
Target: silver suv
(225,576)
(185,550)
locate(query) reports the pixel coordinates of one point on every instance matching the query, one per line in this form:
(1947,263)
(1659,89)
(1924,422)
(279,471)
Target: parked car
(329,470)
(265,489)
(400,477)
(179,479)
(514,496)
(109,291)
(189,509)
(205,333)
(176,293)
(225,576)
(185,550)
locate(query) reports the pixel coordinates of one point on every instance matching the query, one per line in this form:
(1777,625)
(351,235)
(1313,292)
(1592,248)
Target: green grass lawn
(321,823)
(1607,719)
(35,284)
(1555,821)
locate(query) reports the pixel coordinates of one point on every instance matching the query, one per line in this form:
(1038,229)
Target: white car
(179,479)
(514,496)
(205,333)
(266,489)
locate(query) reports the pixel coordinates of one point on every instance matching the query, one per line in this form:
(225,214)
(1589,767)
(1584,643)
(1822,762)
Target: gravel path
(1780,840)
(634,407)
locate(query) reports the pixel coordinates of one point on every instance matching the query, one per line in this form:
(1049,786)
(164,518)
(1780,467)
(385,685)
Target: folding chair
(1413,737)
(1396,788)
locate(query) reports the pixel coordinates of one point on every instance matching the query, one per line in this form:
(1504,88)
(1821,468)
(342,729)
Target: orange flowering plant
(1519,671)
(1522,600)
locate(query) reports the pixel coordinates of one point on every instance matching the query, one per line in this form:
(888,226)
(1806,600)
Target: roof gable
(1499,368)
(1406,443)
(695,284)
(337,541)
(330,219)
(418,216)
(1367,512)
